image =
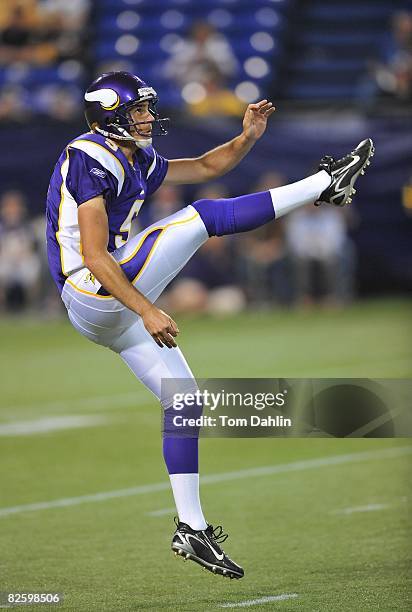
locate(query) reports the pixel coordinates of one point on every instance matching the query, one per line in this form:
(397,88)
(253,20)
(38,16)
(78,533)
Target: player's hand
(160,326)
(255,119)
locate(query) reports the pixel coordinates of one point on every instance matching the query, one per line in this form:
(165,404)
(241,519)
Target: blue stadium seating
(330,46)
(317,51)
(150,20)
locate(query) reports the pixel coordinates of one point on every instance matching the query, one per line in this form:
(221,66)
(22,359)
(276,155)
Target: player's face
(140,114)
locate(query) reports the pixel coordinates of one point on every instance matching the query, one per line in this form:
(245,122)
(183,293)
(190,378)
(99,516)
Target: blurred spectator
(65,15)
(212,98)
(23,39)
(65,23)
(14,104)
(164,202)
(407,196)
(42,49)
(391,73)
(395,74)
(262,256)
(29,6)
(19,261)
(322,256)
(191,59)
(16,36)
(208,282)
(61,102)
(48,299)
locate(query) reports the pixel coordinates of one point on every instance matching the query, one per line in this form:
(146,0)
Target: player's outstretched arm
(218,161)
(94,232)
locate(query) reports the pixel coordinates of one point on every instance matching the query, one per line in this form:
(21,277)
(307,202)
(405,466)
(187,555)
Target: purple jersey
(90,166)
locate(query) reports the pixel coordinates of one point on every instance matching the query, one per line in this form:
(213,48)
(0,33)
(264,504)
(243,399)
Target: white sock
(186,493)
(306,191)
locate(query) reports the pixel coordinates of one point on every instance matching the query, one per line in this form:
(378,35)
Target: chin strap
(142,144)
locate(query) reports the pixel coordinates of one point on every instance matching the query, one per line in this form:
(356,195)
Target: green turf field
(326,533)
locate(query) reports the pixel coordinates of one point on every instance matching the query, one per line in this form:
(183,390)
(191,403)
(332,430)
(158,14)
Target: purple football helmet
(109,100)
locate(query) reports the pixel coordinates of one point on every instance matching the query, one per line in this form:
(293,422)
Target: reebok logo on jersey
(98,172)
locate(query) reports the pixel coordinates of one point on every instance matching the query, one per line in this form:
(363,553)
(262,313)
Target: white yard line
(367,508)
(371,507)
(268,470)
(261,600)
(84,499)
(162,512)
(102,402)
(40,426)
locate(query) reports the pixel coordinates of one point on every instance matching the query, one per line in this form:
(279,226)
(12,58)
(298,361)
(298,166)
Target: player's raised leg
(154,257)
(333,184)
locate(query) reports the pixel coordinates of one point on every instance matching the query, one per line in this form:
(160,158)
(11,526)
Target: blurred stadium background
(325,292)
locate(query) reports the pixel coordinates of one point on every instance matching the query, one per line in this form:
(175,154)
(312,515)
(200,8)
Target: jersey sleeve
(87,178)
(156,172)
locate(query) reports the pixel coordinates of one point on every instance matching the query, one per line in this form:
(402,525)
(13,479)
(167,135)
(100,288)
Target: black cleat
(203,548)
(344,173)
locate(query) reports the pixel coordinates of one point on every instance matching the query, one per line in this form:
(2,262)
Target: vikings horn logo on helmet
(108,98)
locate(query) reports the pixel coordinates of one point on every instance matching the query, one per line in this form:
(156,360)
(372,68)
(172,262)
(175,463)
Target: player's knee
(217,215)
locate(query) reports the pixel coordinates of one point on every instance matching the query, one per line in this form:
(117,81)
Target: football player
(109,275)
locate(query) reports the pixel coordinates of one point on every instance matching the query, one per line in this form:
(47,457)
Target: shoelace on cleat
(216,533)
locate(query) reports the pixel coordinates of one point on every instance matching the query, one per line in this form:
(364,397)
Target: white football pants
(154,257)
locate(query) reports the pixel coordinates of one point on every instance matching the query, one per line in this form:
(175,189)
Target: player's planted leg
(180,452)
(193,539)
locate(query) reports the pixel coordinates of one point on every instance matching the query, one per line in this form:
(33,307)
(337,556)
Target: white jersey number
(123,237)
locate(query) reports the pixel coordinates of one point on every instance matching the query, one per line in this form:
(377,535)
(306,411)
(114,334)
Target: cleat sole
(214,569)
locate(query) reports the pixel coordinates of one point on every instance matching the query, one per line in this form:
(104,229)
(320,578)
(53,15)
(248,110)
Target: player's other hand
(160,326)
(256,117)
